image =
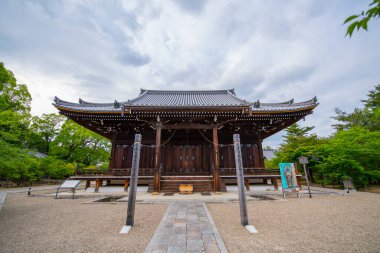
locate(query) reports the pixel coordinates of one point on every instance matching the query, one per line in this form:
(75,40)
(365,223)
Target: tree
(368,117)
(13,96)
(17,165)
(44,130)
(351,153)
(361,20)
(15,102)
(77,144)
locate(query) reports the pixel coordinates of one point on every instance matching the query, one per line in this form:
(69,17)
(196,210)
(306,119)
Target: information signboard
(303,160)
(68,184)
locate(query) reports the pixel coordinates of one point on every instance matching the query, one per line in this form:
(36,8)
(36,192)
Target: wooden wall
(187,152)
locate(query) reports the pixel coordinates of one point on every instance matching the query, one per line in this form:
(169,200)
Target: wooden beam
(187,126)
(216,157)
(157,160)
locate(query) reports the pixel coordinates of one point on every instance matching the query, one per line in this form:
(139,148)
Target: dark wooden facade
(185,133)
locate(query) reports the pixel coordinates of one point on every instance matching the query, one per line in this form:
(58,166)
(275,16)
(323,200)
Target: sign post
(303,160)
(240,181)
(134,178)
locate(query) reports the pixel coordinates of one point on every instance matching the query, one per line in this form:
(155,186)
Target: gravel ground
(43,224)
(322,224)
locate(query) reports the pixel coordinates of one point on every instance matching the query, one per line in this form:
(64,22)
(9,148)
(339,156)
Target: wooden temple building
(186,135)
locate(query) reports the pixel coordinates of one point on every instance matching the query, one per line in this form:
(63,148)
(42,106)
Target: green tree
(44,130)
(361,20)
(351,153)
(17,165)
(368,117)
(77,144)
(53,168)
(13,96)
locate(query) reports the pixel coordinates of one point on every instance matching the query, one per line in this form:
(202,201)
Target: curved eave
(128,110)
(280,110)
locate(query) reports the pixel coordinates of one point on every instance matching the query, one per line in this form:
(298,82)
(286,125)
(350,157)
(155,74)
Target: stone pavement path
(187,226)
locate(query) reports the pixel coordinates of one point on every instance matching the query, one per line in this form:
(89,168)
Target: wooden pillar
(111,164)
(216,157)
(157,159)
(126,184)
(97,184)
(88,183)
(256,156)
(247,184)
(275,183)
(261,153)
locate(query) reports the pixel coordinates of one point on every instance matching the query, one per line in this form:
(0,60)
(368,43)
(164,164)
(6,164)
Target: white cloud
(267,50)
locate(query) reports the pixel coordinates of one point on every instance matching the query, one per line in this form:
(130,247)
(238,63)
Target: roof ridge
(184,91)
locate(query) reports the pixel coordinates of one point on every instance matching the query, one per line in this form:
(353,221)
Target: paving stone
(161,239)
(181,220)
(194,227)
(194,245)
(179,228)
(194,235)
(160,247)
(186,227)
(178,240)
(208,238)
(212,248)
(192,217)
(176,249)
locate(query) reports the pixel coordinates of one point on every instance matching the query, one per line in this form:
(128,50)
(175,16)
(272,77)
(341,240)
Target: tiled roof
(284,106)
(210,98)
(183,99)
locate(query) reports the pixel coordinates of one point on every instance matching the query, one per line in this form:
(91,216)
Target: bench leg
(126,184)
(88,184)
(265,181)
(275,183)
(97,185)
(299,183)
(108,182)
(246,180)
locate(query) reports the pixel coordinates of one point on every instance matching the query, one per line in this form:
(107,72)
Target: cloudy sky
(268,50)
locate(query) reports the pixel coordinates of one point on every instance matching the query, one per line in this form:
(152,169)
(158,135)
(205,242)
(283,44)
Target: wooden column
(261,153)
(275,183)
(216,158)
(97,184)
(256,156)
(246,181)
(157,159)
(111,164)
(88,184)
(126,184)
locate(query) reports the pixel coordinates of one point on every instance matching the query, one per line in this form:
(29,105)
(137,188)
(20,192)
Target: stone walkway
(187,226)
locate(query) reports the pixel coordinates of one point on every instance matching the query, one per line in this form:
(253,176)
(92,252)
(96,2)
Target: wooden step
(200,183)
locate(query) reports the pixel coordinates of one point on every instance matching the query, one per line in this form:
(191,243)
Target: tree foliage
(66,143)
(368,117)
(360,21)
(44,130)
(353,151)
(77,144)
